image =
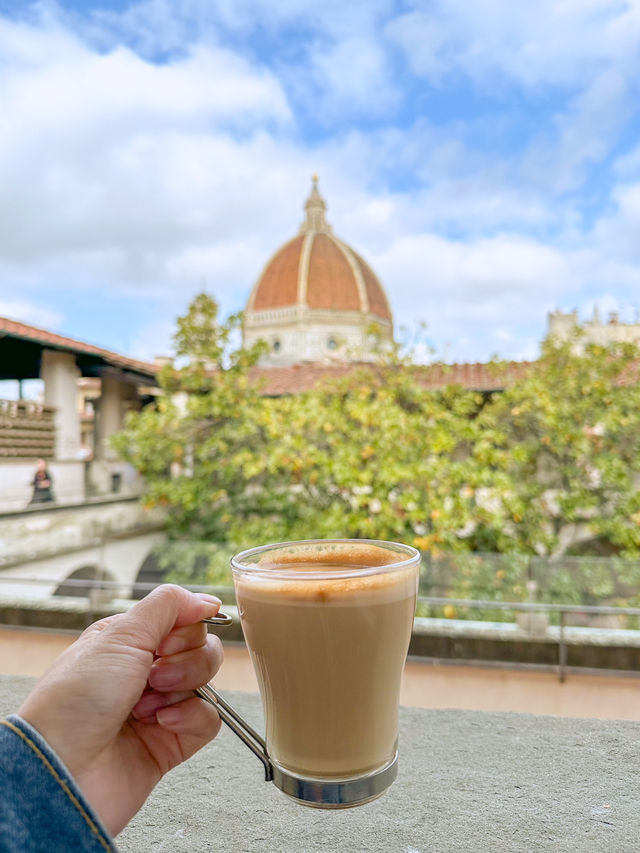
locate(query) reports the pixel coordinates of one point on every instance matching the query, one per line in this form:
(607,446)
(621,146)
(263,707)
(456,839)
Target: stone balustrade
(27,430)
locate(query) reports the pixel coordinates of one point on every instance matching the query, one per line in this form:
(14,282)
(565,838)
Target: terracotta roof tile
(331,283)
(278,285)
(14,328)
(474,377)
(378,303)
(298,377)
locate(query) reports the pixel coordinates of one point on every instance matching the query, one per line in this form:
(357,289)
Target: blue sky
(483,157)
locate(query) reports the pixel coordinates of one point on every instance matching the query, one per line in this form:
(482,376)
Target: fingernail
(163,676)
(209,598)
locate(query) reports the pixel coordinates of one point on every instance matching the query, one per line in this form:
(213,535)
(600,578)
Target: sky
(483,157)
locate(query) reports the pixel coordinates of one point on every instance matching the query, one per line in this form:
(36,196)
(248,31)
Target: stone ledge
(61,506)
(31,535)
(507,642)
(469,782)
(442,639)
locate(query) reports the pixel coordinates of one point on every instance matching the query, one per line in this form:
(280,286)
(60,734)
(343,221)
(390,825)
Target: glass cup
(327,624)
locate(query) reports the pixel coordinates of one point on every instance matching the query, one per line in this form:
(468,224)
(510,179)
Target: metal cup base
(335,793)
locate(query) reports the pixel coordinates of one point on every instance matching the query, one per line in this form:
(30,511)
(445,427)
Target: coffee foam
(343,554)
(362,589)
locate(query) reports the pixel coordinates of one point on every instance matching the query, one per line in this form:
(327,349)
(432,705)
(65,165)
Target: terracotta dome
(314,284)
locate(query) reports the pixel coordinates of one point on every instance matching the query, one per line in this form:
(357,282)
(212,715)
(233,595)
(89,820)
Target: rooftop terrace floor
(468,781)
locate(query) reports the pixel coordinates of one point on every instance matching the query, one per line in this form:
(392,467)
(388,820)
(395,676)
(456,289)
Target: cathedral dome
(317,299)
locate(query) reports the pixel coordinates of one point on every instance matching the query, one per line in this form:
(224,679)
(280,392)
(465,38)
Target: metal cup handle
(228,714)
(222,619)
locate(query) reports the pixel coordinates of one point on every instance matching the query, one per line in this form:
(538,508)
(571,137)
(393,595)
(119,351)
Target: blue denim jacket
(41,807)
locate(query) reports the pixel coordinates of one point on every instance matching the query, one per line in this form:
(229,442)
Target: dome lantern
(316,208)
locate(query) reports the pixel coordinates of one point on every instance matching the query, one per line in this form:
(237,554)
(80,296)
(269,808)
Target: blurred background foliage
(535,482)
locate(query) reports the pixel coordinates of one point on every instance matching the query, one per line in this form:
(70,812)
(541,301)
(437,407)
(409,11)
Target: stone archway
(86,573)
(150,572)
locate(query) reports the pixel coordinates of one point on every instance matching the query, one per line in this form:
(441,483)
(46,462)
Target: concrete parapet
(53,529)
(468,782)
(507,642)
(444,639)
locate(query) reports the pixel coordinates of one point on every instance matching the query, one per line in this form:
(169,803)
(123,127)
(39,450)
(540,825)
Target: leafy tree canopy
(540,468)
(562,452)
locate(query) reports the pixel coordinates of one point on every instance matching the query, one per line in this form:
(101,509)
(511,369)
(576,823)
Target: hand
(117,706)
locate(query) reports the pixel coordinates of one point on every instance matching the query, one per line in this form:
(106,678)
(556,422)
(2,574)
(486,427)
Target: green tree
(370,455)
(208,417)
(544,467)
(561,449)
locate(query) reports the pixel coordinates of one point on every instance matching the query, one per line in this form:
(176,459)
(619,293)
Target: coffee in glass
(327,624)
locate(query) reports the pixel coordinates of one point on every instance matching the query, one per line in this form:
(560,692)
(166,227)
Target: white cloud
(153,338)
(149,179)
(29,312)
(166,24)
(352,75)
(535,44)
(109,160)
(478,298)
(619,228)
(63,80)
(577,61)
(582,135)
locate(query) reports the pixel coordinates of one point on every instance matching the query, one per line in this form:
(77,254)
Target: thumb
(166,607)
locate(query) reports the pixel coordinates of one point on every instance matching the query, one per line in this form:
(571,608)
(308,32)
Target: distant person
(42,484)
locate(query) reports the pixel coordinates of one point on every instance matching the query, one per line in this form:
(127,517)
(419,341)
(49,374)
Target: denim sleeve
(41,807)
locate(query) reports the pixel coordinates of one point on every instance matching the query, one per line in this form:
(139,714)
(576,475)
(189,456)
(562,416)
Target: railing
(562,610)
(17,499)
(27,430)
(94,590)
(580,580)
